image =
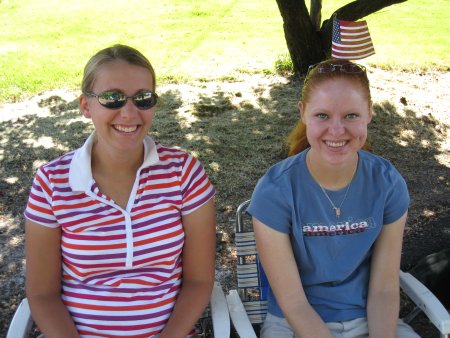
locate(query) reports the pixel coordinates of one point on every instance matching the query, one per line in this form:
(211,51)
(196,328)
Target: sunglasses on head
(328,67)
(115,100)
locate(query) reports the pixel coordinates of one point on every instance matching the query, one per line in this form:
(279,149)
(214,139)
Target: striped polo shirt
(121,268)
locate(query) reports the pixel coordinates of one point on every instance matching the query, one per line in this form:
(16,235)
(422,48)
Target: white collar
(80,173)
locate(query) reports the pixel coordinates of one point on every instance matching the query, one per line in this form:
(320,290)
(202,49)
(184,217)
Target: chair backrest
(251,279)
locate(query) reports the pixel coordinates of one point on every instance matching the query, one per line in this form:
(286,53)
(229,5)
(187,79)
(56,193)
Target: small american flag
(351,40)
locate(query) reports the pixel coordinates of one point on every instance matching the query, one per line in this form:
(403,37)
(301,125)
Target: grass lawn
(45,44)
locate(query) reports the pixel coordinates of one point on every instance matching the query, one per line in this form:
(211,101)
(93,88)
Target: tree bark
(303,41)
(315,13)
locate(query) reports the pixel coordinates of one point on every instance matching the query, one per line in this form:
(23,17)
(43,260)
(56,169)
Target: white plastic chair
(427,302)
(22,322)
(248,305)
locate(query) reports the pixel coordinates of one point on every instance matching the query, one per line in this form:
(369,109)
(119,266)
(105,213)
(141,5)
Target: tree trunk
(302,40)
(315,13)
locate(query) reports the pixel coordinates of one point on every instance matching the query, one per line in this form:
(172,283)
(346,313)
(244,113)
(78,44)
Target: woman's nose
(129,109)
(336,127)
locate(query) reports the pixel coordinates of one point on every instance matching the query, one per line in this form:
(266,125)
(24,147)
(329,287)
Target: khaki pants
(276,327)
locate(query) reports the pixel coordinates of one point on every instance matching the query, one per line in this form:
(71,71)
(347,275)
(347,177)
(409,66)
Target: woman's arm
(383,301)
(198,271)
(275,252)
(43,281)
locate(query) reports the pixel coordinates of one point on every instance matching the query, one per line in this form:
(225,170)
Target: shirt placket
(95,193)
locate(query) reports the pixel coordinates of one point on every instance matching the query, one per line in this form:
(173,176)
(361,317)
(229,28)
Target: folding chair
(217,313)
(248,304)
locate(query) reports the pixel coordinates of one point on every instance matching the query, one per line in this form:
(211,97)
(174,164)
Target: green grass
(45,44)
(422,39)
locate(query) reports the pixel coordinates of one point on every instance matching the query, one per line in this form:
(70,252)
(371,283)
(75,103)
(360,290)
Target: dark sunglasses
(115,100)
(328,67)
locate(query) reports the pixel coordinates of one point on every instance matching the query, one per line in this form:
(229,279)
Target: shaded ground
(237,130)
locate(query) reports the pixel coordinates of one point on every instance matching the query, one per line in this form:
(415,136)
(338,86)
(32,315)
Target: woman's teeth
(335,144)
(126,129)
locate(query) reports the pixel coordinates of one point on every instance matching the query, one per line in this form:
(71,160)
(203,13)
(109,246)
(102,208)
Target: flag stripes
(351,40)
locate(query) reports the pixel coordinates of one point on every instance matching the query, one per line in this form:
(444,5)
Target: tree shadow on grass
(237,131)
(30,141)
(412,142)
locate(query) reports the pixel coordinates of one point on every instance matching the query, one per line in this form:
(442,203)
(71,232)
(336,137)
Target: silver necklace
(336,209)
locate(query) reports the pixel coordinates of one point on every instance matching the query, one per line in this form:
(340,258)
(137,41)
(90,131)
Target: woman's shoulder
(378,166)
(175,155)
(374,160)
(64,161)
(58,163)
(169,152)
(286,166)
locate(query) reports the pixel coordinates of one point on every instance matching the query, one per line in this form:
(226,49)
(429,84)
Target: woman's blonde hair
(113,53)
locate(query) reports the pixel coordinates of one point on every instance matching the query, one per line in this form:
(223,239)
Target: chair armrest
(239,316)
(21,322)
(426,301)
(219,312)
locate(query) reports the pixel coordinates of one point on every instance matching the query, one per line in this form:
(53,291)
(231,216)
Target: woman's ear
(83,103)
(301,109)
(370,111)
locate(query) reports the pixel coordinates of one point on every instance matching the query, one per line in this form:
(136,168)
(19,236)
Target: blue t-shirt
(332,254)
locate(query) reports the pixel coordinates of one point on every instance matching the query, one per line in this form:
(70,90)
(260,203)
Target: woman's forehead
(119,71)
(337,95)
(342,84)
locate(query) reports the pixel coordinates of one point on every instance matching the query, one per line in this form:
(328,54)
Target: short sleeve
(269,204)
(196,189)
(397,198)
(39,205)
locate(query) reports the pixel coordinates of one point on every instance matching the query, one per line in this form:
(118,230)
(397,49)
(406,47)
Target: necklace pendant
(338,212)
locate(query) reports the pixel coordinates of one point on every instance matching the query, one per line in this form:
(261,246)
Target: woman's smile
(334,144)
(124,128)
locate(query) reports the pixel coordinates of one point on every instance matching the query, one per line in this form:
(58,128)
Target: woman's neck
(331,177)
(115,163)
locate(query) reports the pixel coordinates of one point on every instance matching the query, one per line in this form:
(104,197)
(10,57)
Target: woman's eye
(322,116)
(351,116)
